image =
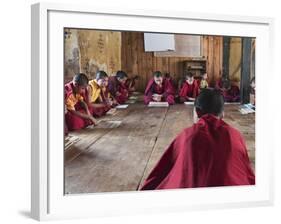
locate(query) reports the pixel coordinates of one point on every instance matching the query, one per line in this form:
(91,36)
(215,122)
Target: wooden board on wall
(185,46)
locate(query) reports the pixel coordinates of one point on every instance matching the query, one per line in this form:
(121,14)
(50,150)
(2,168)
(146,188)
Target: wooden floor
(104,159)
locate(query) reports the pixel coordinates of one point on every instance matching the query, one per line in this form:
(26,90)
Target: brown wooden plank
(143,68)
(124,62)
(217,57)
(111,165)
(88,136)
(149,64)
(117,160)
(129,53)
(211,59)
(134,52)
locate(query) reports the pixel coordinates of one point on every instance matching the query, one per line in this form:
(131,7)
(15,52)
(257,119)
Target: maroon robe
(115,86)
(72,121)
(167,90)
(210,153)
(230,95)
(130,83)
(188,90)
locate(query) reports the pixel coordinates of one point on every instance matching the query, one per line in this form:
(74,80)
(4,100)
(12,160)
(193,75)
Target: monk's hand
(118,93)
(115,102)
(154,98)
(110,103)
(158,98)
(94,121)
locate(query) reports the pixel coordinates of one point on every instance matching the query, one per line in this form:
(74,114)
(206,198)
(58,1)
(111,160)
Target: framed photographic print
(138,112)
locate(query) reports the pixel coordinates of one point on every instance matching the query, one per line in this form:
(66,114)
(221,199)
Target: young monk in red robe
(130,84)
(190,89)
(209,153)
(78,115)
(96,96)
(203,83)
(231,93)
(159,89)
(117,87)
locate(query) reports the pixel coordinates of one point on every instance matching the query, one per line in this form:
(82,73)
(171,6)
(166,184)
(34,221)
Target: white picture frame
(48,200)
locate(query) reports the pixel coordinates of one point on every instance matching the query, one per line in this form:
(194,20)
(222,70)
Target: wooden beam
(246,69)
(226,53)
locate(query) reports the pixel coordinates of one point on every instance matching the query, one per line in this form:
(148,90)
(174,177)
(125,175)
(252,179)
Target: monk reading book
(159,89)
(131,83)
(117,87)
(77,115)
(203,83)
(210,153)
(96,94)
(189,89)
(230,92)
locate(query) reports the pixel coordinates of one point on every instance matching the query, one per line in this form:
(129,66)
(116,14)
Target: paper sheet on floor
(112,111)
(122,106)
(189,103)
(158,104)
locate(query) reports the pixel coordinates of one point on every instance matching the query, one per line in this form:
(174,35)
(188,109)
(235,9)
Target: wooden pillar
(246,69)
(226,53)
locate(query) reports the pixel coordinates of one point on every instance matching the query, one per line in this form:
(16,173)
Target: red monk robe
(72,102)
(167,90)
(188,91)
(208,154)
(131,83)
(231,93)
(118,90)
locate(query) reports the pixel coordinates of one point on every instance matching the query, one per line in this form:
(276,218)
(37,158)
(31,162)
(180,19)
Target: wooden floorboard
(119,159)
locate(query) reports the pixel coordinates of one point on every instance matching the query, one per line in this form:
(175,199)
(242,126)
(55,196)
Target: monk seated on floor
(77,115)
(189,89)
(209,153)
(97,98)
(131,83)
(159,89)
(230,92)
(117,87)
(203,81)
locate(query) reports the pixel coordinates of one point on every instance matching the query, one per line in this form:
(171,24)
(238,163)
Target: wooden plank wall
(213,52)
(135,61)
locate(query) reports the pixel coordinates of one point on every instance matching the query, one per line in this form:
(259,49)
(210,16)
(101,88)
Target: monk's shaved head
(209,101)
(80,79)
(101,75)
(121,75)
(157,74)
